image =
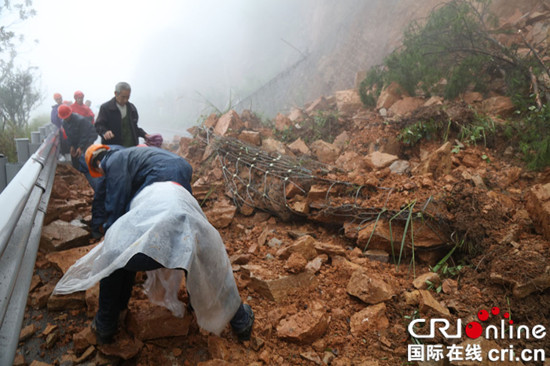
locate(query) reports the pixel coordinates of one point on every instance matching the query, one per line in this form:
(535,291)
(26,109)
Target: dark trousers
(116,289)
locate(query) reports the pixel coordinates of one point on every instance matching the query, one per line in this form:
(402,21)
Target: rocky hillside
(339,43)
(340,234)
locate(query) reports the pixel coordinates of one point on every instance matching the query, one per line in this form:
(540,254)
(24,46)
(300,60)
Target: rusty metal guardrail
(23,205)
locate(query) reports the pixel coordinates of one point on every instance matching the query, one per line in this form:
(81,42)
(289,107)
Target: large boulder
(406,106)
(318,105)
(379,160)
(282,122)
(148,321)
(369,289)
(389,95)
(438,163)
(348,102)
(325,152)
(498,106)
(305,327)
(274,146)
(538,206)
(371,319)
(60,235)
(229,122)
(251,137)
(299,147)
(221,214)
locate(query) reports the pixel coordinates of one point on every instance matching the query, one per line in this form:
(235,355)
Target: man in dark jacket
(80,135)
(117,121)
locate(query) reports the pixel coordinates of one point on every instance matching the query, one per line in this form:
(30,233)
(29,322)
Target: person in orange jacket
(79,107)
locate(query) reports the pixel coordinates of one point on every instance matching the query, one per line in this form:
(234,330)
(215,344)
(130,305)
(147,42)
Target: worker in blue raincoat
(130,174)
(128,171)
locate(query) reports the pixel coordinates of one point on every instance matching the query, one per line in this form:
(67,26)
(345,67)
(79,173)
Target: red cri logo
(475,329)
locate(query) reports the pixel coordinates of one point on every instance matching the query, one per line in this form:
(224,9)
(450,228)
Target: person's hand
(108,135)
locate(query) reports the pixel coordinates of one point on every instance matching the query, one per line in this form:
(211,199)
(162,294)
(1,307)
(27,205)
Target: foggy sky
(184,57)
(178,56)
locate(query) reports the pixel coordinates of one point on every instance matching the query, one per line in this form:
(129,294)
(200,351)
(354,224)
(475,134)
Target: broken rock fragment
(66,258)
(148,321)
(229,122)
(221,214)
(315,264)
(306,326)
(61,235)
(368,289)
(538,206)
(263,282)
(429,303)
(371,319)
(305,245)
(296,263)
(421,282)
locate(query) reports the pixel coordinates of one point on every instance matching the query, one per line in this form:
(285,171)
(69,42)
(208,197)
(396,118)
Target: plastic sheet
(166,223)
(159,287)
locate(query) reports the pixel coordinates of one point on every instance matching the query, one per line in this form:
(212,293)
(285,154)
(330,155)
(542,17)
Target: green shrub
(7,144)
(371,86)
(469,73)
(480,129)
(323,125)
(420,130)
(457,44)
(534,137)
(454,44)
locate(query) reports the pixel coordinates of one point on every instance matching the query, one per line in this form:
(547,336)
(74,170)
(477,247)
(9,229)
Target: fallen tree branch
(535,88)
(534,52)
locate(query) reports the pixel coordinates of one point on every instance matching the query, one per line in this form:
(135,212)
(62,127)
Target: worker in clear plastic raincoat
(162,228)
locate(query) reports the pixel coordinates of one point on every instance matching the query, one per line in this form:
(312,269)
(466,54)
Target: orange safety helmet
(64,111)
(91,154)
(78,94)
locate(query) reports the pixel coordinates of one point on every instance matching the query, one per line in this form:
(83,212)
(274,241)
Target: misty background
(185,59)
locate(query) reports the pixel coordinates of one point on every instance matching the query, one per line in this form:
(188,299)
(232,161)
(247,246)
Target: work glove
(154,140)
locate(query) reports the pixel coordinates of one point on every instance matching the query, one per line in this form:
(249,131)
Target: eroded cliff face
(363,33)
(348,39)
(343,41)
(339,39)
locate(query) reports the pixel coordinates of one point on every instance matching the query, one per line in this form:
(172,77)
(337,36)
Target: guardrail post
(43,132)
(35,142)
(22,147)
(3,175)
(35,137)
